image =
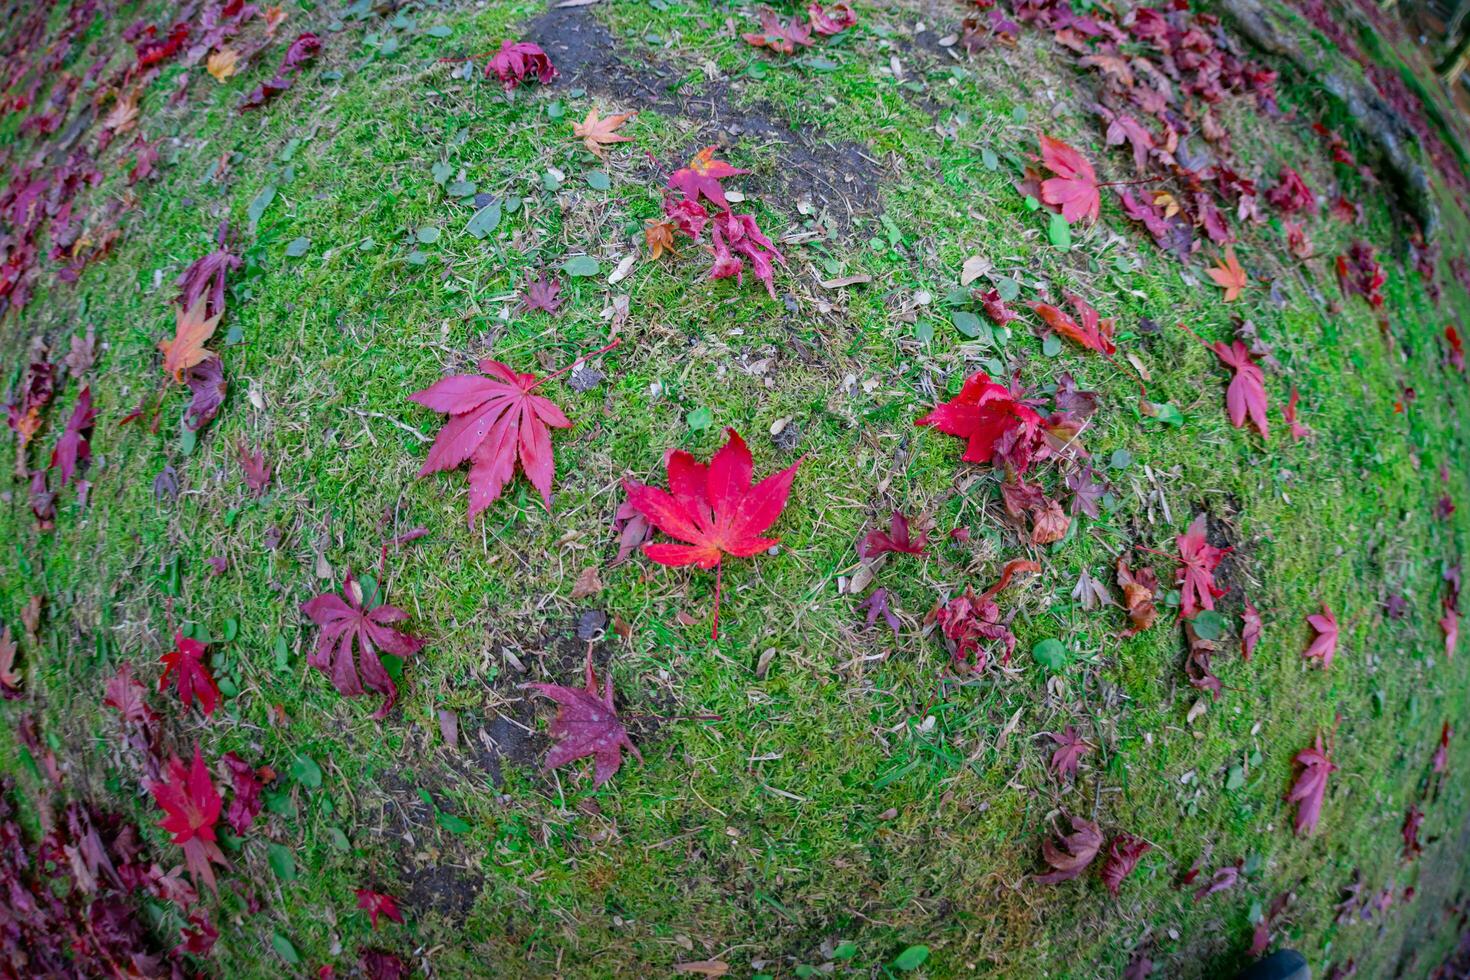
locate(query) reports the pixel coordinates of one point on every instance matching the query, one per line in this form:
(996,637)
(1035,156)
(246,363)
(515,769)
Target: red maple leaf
(191,807)
(127,695)
(1124,853)
(736,239)
(1457,347)
(496,423)
(1092,332)
(1449,624)
(185,663)
(969,619)
(702,178)
(73,446)
(1324,644)
(1072,853)
(345,621)
(207,274)
(1246,395)
(897,538)
(1413,821)
(586,724)
(542,294)
(1069,751)
(1298,430)
(1250,630)
(990,416)
(1074,188)
(1196,573)
(247,782)
(780,38)
(1310,785)
(253,467)
(1291,195)
(833,20)
(376,904)
(995,307)
(1441,760)
(714,508)
(518,61)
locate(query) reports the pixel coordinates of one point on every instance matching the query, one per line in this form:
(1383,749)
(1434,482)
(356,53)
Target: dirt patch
(839,178)
(448,890)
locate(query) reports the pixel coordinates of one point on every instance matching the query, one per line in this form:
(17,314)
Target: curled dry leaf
(1071,853)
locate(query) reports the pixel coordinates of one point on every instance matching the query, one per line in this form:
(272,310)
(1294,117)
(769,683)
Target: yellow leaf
(223,63)
(595,133)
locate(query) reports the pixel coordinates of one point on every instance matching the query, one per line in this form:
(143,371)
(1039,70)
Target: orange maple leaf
(1229,276)
(659,235)
(595,133)
(191,330)
(223,63)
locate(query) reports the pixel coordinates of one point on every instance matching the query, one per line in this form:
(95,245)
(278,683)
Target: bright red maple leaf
(1124,853)
(1457,348)
(989,416)
(191,807)
(495,422)
(1070,748)
(1250,630)
(1074,188)
(73,447)
(1311,785)
(376,904)
(1324,644)
(1246,396)
(897,538)
(1195,576)
(519,61)
(192,679)
(586,724)
(702,178)
(345,623)
(1091,332)
(714,508)
(1072,853)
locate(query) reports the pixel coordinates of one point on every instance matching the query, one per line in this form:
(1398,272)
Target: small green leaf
(1208,625)
(394,666)
(1234,779)
(924,331)
(232,630)
(284,949)
(282,861)
(439,30)
(988,157)
(462,188)
(442,171)
(1019,114)
(257,207)
(1166,413)
(1051,654)
(700,419)
(298,247)
(1032,204)
(845,951)
(417,257)
(1059,232)
(453,824)
(427,235)
(1121,459)
(912,958)
(966,323)
(339,839)
(598,181)
(485,220)
(306,772)
(1051,345)
(581,266)
(1008,288)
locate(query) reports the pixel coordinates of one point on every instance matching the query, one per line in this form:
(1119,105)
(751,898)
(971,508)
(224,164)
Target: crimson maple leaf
(191,806)
(1457,348)
(517,61)
(376,904)
(1092,332)
(702,178)
(495,422)
(253,467)
(345,621)
(714,508)
(987,415)
(1195,576)
(542,294)
(1069,751)
(1246,395)
(207,275)
(1073,852)
(1074,188)
(1413,821)
(1124,853)
(185,663)
(897,538)
(586,724)
(1250,630)
(1310,785)
(73,447)
(1324,644)
(995,308)
(247,782)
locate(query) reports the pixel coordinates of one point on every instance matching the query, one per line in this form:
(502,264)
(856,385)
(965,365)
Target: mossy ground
(854,790)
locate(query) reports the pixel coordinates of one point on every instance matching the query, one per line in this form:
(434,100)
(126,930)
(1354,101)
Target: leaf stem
(714,633)
(572,366)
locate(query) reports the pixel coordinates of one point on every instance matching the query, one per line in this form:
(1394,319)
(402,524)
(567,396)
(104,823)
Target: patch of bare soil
(840,178)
